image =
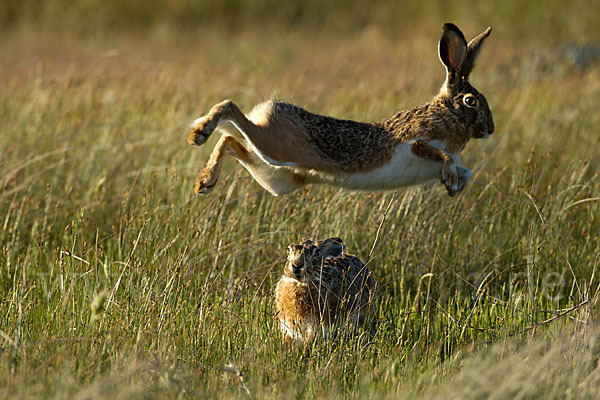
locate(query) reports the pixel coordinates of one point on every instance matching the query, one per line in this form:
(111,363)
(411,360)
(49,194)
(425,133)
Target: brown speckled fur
(279,135)
(319,291)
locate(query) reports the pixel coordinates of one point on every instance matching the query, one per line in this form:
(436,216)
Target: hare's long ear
(306,242)
(331,247)
(473,50)
(452,50)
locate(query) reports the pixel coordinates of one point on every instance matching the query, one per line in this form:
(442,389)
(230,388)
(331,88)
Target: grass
(117,282)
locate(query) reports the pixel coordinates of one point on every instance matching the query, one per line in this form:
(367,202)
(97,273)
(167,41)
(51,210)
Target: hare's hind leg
(210,174)
(276,180)
(202,127)
(247,130)
(272,130)
(227,110)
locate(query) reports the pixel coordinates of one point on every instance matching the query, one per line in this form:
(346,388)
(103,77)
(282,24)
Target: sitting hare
(322,289)
(285,147)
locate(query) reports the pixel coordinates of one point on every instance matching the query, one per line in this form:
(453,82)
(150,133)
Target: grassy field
(117,282)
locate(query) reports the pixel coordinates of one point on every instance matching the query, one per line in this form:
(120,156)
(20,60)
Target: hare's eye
(470,101)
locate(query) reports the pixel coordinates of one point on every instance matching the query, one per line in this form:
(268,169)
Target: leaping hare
(285,147)
(321,289)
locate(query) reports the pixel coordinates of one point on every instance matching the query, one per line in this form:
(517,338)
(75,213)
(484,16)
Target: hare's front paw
(206,181)
(450,178)
(464,176)
(201,129)
(456,183)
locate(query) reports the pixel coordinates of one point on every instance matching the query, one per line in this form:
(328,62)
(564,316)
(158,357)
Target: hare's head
(458,58)
(303,257)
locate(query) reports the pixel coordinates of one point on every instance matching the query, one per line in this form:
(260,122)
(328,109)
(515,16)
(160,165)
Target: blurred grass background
(550,19)
(116,282)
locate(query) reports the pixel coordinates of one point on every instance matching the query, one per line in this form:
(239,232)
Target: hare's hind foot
(206,181)
(209,176)
(200,131)
(203,127)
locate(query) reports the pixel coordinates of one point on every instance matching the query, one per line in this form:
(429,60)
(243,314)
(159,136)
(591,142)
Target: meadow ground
(117,282)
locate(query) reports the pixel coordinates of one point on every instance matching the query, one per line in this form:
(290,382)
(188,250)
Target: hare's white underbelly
(404,169)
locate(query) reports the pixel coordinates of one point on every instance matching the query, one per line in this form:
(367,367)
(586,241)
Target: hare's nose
(491,126)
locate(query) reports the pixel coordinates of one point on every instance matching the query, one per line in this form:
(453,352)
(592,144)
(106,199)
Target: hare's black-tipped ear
(473,50)
(331,247)
(452,50)
(306,242)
